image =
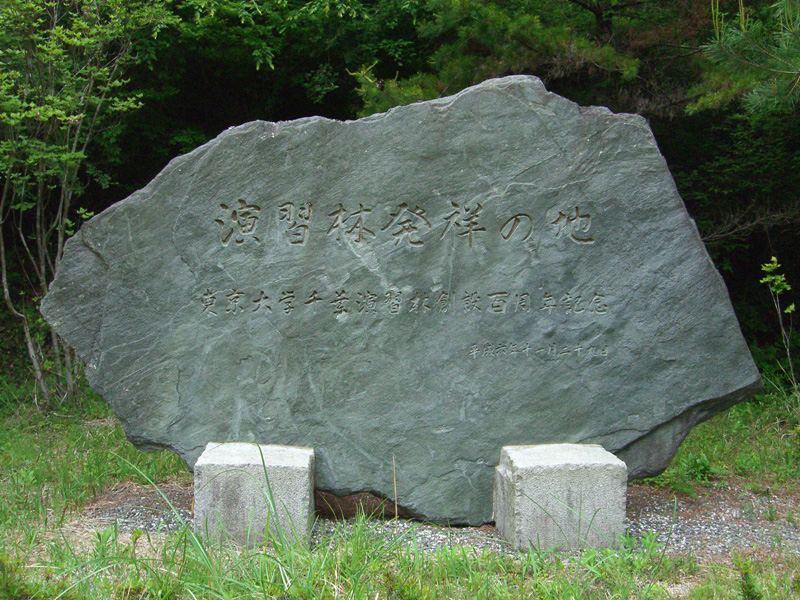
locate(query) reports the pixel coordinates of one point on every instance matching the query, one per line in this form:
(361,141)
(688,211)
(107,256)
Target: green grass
(52,464)
(757,440)
(357,564)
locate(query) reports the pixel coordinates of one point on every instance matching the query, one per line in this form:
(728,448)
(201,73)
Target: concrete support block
(560,496)
(241,490)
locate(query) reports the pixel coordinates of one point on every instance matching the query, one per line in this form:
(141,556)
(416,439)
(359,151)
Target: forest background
(96,96)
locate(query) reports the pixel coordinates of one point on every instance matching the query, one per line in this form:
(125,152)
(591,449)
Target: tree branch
(738,224)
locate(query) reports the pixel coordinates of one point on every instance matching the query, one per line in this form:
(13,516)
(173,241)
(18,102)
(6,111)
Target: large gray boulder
(408,293)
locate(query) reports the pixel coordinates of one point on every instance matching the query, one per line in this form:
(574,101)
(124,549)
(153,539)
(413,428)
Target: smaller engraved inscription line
(235,301)
(550,352)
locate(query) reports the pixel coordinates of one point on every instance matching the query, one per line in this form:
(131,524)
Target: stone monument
(408,293)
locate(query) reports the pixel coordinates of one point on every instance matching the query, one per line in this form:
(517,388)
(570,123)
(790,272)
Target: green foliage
(755,55)
(751,589)
(61,67)
(474,40)
(240,60)
(778,286)
(83,215)
(62,91)
(380,95)
(698,467)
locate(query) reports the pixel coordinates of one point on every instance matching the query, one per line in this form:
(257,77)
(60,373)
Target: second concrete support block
(243,489)
(560,496)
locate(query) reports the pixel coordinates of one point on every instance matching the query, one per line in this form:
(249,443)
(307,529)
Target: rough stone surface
(408,293)
(562,496)
(240,488)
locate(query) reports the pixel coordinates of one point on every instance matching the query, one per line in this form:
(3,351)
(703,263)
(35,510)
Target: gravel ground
(719,520)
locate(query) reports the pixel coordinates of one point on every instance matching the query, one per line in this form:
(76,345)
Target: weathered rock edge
(131,275)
